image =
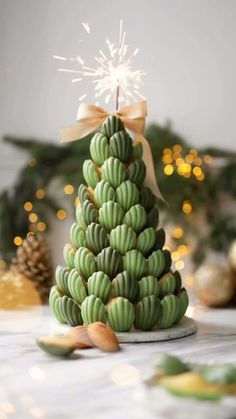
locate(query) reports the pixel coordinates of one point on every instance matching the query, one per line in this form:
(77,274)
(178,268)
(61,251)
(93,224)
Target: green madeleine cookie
(167,283)
(127,195)
(99,284)
(54,297)
(110,215)
(146,198)
(99,148)
(147,313)
(167,364)
(93,310)
(85,262)
(79,217)
(122,238)
(136,172)
(109,261)
(137,151)
(69,255)
(124,285)
(76,286)
(113,171)
(70,311)
(77,235)
(135,263)
(111,125)
(146,241)
(160,239)
(83,193)
(61,276)
(96,238)
(169,311)
(103,192)
(183,301)
(156,263)
(57,345)
(121,146)
(148,285)
(136,217)
(153,218)
(91,173)
(120,314)
(89,212)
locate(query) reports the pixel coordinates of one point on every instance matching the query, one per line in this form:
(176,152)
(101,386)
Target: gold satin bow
(89,118)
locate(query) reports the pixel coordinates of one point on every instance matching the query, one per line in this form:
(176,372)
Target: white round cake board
(185,327)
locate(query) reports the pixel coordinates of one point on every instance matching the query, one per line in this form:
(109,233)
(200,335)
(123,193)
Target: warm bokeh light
(167,151)
(17,240)
(177,148)
(168,169)
(177,232)
(167,159)
(68,189)
(197,171)
(175,256)
(41,226)
(201,177)
(198,161)
(207,159)
(193,152)
(125,374)
(33,217)
(183,249)
(28,206)
(179,265)
(187,207)
(40,193)
(61,214)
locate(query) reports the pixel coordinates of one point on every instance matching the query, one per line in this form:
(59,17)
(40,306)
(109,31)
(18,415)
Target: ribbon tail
(79,130)
(150,179)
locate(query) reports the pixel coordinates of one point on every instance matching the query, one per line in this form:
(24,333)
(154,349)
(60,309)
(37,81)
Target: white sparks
(136,52)
(58,57)
(76,80)
(82,97)
(86,27)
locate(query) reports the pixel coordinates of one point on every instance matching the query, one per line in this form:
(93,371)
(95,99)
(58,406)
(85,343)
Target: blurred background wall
(186,47)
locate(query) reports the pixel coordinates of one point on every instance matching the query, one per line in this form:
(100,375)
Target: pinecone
(33,259)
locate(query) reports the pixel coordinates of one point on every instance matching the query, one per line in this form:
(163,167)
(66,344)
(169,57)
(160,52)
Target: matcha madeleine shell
(116,269)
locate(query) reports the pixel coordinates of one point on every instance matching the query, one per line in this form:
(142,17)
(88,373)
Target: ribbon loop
(89,117)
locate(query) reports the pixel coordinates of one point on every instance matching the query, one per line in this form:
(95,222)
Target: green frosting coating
(167,364)
(136,172)
(103,192)
(113,171)
(91,173)
(160,239)
(147,313)
(110,215)
(83,193)
(61,276)
(147,199)
(135,263)
(153,218)
(99,284)
(136,217)
(89,212)
(125,285)
(146,241)
(85,262)
(122,238)
(182,304)
(178,282)
(169,311)
(96,238)
(121,146)
(54,297)
(111,125)
(77,235)
(79,217)
(99,148)
(148,285)
(93,310)
(69,255)
(76,286)
(120,314)
(109,261)
(167,283)
(156,263)
(127,195)
(70,311)
(137,151)
(53,348)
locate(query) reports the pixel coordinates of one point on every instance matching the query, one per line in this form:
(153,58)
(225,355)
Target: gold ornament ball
(17,291)
(213,285)
(232,256)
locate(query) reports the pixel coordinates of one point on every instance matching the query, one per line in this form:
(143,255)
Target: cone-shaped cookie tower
(116,269)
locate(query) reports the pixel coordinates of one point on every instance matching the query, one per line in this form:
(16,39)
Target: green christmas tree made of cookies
(116,269)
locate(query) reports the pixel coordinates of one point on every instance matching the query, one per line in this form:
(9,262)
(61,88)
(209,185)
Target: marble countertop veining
(93,384)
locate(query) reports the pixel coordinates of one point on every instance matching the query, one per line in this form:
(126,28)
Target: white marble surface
(93,384)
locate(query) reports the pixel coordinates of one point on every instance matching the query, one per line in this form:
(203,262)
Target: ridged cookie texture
(117,269)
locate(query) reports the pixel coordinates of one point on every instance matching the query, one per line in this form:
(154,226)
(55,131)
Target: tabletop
(91,383)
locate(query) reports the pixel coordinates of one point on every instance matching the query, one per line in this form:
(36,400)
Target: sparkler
(113,75)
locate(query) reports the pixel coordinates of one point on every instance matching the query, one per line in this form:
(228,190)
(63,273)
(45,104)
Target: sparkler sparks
(113,76)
